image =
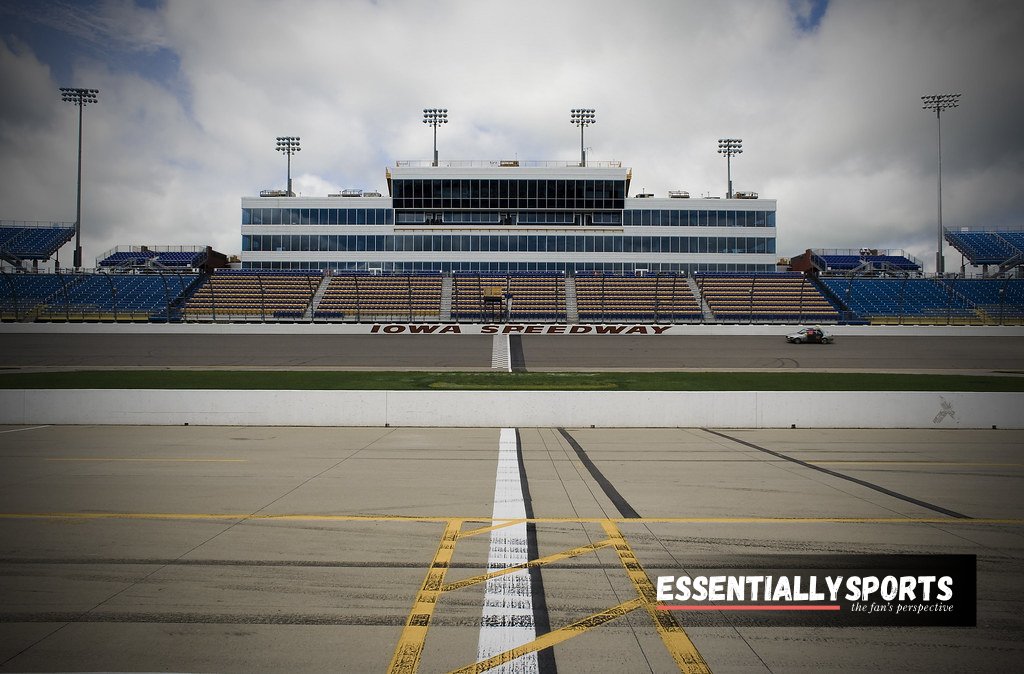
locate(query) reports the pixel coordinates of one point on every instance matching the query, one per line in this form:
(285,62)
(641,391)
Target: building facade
(508,217)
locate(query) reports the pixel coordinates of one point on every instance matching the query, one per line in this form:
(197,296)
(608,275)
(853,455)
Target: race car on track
(810,336)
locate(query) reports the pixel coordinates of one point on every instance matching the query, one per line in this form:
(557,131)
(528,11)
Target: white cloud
(830,118)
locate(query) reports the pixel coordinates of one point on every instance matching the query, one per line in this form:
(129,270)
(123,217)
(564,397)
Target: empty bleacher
(849,260)
(90,297)
(524,297)
(659,298)
(248,295)
(179,257)
(126,258)
(903,300)
(765,297)
(22,294)
(33,241)
(982,248)
(233,295)
(400,297)
(995,301)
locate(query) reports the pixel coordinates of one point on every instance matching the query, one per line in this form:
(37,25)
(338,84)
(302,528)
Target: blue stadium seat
(90,296)
(984,248)
(34,243)
(888,297)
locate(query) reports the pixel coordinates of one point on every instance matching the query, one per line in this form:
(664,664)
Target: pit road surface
(295,549)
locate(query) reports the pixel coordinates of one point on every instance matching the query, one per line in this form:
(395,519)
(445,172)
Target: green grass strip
(501,381)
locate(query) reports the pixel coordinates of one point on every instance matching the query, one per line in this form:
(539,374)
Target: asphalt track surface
(298,549)
(539,352)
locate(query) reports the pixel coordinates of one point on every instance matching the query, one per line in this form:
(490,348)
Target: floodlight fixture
(81,98)
(938,103)
(582,117)
(729,148)
(289,145)
(435,117)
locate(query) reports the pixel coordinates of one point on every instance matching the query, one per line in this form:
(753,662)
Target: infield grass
(502,381)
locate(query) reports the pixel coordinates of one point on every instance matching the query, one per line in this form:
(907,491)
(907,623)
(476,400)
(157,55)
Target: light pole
(582,117)
(289,145)
(435,117)
(729,147)
(81,98)
(938,104)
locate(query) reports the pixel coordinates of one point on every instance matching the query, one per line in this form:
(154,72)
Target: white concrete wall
(732,409)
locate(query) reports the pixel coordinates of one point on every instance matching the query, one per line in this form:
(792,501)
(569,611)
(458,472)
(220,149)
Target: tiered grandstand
(664,298)
(931,301)
(765,298)
(161,257)
(362,297)
(983,248)
(863,261)
(517,297)
(311,295)
(32,240)
(242,295)
(91,297)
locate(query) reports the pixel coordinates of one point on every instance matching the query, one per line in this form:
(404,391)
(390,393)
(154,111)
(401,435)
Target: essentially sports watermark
(876,590)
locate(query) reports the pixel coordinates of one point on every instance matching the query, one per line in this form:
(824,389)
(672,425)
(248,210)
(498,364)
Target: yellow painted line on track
(406,659)
(138,460)
(484,530)
(552,638)
(678,643)
(541,520)
(542,561)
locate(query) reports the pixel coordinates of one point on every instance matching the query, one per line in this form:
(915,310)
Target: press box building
(508,216)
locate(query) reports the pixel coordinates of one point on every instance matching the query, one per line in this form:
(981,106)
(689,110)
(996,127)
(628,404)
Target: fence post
(113,295)
(263,298)
(14,293)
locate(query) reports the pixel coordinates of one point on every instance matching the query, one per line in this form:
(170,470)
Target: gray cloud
(830,117)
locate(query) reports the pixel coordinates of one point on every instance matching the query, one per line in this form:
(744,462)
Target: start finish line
(517,329)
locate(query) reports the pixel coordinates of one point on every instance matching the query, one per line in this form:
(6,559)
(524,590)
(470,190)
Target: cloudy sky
(825,95)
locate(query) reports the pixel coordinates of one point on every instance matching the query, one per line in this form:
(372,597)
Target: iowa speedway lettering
(516,328)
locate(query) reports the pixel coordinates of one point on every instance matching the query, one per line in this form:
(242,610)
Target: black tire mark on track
(609,489)
(541,621)
(516,359)
(849,478)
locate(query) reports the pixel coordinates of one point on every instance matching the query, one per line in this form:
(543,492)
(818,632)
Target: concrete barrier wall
(729,409)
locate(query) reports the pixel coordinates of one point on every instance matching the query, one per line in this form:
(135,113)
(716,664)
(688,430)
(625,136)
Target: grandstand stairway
(705,310)
(446,298)
(572,311)
(314,302)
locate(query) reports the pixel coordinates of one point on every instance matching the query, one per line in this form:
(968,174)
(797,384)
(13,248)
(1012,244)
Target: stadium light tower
(729,147)
(81,98)
(289,145)
(938,104)
(582,117)
(435,117)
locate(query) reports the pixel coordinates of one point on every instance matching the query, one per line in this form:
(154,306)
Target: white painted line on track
(508,605)
(30,428)
(501,353)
